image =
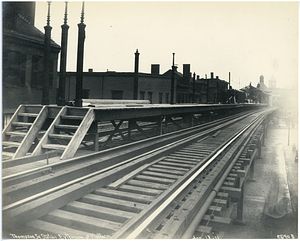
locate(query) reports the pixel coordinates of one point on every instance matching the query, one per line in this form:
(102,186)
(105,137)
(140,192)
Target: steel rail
(199,216)
(139,229)
(64,185)
(174,134)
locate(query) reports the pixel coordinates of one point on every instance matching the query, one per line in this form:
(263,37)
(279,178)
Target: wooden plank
(38,149)
(11,143)
(140,198)
(5,153)
(216,222)
(28,114)
(170,167)
(232,191)
(81,222)
(175,164)
(220,202)
(204,229)
(130,175)
(14,118)
(140,190)
(26,124)
(98,211)
(241,173)
(51,228)
(190,154)
(60,136)
(169,171)
(148,184)
(164,175)
(216,210)
(27,159)
(190,159)
(32,133)
(223,195)
(113,203)
(155,179)
(16,133)
(72,117)
(54,146)
(66,127)
(79,135)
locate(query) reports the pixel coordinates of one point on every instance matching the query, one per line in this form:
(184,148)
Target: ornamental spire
(48,16)
(66,13)
(82,12)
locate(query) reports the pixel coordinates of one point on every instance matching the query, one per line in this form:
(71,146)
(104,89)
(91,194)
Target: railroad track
(119,198)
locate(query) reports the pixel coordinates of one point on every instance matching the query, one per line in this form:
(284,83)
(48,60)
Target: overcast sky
(248,39)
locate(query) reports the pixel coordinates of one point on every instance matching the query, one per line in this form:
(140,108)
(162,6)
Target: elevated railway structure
(171,185)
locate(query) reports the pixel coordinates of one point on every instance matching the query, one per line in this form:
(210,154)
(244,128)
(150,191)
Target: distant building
(23,51)
(119,85)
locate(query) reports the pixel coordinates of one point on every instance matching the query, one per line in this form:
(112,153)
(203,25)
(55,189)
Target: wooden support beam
(14,118)
(32,133)
(38,149)
(232,191)
(79,135)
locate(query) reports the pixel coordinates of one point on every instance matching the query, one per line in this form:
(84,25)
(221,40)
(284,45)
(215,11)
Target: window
(117,94)
(160,97)
(150,97)
(14,67)
(142,95)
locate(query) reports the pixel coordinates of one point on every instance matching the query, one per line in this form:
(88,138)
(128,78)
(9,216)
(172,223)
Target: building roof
(27,32)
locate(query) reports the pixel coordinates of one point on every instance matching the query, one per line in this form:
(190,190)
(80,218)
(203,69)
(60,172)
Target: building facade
(23,51)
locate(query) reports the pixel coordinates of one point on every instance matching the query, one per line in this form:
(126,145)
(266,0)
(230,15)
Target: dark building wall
(120,85)
(23,50)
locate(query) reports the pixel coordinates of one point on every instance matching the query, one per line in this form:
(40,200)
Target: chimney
(212,75)
(217,77)
(155,69)
(90,70)
(186,72)
(198,77)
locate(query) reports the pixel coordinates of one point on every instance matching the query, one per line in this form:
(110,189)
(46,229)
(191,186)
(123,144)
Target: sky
(247,39)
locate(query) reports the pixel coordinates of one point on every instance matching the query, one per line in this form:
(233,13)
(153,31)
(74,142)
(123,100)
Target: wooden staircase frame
(76,139)
(32,133)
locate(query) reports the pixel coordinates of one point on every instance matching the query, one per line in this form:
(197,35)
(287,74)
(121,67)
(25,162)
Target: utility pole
(136,76)
(46,63)
(61,101)
(172,81)
(80,51)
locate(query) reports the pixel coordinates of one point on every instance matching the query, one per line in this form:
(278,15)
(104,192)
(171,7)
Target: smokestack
(212,75)
(80,54)
(155,69)
(61,101)
(46,63)
(198,77)
(186,72)
(229,80)
(136,75)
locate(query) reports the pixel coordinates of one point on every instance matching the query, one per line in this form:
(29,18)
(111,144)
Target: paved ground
(277,166)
